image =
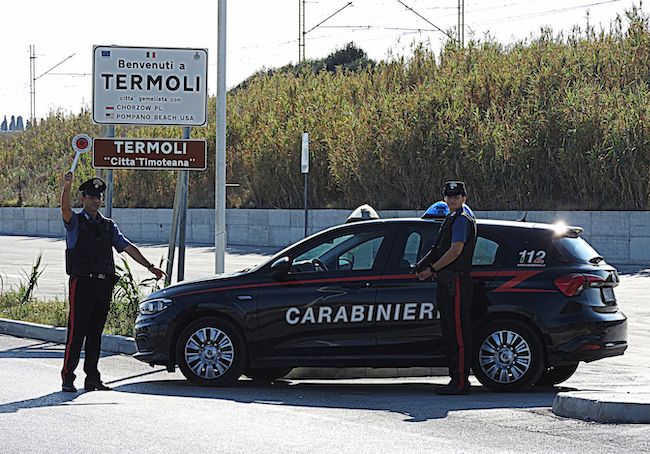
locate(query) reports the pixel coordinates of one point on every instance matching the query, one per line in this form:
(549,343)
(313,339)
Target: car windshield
(578,249)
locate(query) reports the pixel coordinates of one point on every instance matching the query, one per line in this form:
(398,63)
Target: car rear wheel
(508,356)
(266,373)
(211,352)
(554,375)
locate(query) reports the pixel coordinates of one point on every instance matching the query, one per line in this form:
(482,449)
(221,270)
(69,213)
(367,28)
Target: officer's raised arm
(66,209)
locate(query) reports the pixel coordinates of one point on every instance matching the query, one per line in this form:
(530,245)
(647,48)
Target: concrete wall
(622,237)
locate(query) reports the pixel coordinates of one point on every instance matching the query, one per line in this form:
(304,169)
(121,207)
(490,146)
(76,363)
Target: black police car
(543,301)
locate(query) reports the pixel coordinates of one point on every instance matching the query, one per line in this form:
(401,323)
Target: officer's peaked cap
(454,188)
(94,187)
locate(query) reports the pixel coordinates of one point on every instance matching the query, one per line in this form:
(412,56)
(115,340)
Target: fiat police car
(346,297)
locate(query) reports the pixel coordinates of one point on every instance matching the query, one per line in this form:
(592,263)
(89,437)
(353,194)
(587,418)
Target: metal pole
(463,25)
(458,25)
(171,249)
(110,133)
(304,44)
(304,168)
(306,204)
(32,82)
(184,177)
(299,31)
(220,166)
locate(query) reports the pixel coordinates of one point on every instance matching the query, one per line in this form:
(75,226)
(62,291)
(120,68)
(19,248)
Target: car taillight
(573,284)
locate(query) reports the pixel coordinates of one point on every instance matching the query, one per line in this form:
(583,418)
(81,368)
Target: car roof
(487,222)
(529,227)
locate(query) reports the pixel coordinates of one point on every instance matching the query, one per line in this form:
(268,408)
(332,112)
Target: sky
(260,34)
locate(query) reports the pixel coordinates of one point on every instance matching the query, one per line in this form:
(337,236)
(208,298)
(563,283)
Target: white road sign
(304,155)
(141,85)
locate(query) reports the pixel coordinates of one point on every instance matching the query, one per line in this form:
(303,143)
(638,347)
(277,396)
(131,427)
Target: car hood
(208,282)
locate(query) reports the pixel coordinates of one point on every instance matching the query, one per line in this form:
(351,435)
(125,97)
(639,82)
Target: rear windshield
(577,248)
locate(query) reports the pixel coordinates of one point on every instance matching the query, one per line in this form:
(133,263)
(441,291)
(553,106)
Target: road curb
(110,342)
(126,345)
(605,407)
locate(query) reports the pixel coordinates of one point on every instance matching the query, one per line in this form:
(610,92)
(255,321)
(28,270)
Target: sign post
(304,168)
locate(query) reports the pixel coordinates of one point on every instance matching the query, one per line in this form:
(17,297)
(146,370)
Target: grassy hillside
(555,122)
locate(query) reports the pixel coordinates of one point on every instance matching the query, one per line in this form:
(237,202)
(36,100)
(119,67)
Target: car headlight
(154,306)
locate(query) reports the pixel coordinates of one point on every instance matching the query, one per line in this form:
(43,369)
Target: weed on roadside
(18,303)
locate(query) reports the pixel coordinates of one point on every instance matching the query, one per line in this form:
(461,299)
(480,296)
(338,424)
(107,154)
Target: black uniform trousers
(89,303)
(454,303)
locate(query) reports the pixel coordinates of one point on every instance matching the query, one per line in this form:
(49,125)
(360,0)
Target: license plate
(608,294)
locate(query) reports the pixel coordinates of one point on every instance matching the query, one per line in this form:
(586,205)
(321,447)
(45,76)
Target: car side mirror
(280,267)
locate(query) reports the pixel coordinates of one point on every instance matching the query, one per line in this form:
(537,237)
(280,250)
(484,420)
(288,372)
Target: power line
(544,13)
(378,27)
(329,17)
(58,64)
(71,74)
(425,19)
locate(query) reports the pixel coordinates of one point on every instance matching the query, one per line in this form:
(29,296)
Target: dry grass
(555,122)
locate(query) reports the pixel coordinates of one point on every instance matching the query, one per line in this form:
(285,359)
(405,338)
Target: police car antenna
(523,219)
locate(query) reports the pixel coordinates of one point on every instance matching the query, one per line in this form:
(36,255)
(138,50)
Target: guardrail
(620,236)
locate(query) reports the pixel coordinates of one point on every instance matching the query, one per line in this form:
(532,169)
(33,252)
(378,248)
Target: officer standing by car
(90,238)
(452,270)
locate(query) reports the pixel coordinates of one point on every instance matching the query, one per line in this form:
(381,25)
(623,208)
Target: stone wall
(621,237)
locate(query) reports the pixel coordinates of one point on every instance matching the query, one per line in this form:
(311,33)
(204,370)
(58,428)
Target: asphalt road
(153,411)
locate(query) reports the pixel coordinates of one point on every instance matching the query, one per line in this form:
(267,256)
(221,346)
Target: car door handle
(344,288)
(244,297)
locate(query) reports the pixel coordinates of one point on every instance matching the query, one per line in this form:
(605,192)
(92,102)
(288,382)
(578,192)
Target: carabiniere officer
(452,268)
(90,238)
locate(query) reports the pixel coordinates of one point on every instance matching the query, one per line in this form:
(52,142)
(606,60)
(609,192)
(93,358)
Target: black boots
(95,386)
(68,387)
(454,388)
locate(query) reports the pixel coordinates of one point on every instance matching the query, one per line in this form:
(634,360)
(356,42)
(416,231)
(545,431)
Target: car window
(411,252)
(353,251)
(577,248)
(485,252)
(414,243)
(412,248)
(361,257)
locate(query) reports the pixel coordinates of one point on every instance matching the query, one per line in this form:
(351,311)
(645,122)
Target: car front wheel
(211,352)
(508,356)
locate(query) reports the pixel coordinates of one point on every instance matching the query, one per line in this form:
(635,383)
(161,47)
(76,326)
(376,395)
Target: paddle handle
(75,161)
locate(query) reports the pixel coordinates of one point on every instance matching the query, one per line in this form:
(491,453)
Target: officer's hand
(424,275)
(158,272)
(67,179)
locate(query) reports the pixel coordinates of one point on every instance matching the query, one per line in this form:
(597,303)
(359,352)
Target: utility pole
(461,23)
(458,25)
(33,79)
(32,83)
(462,26)
(301,30)
(302,34)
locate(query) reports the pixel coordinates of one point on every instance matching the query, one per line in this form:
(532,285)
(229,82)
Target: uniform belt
(102,276)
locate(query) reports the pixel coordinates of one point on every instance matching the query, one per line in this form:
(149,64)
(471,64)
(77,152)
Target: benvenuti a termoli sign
(150,154)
